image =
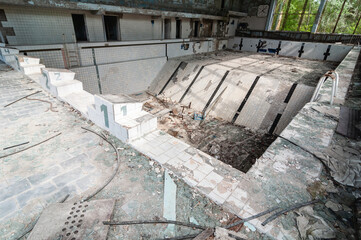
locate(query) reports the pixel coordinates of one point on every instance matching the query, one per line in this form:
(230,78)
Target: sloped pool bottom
(234,145)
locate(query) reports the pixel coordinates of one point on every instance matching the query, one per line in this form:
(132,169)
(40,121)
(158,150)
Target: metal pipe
(318,16)
(335,78)
(278,20)
(252,217)
(271,15)
(286,15)
(318,87)
(302,14)
(21,98)
(339,15)
(358,22)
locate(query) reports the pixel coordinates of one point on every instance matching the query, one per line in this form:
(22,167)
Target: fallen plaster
(258,190)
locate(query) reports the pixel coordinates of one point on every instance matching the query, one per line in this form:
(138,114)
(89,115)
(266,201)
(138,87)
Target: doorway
(79,27)
(196,29)
(167,28)
(178,33)
(111,28)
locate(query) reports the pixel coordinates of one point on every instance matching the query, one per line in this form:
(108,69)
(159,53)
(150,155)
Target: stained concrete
(252,93)
(76,163)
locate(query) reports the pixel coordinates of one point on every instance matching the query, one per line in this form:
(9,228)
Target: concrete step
(122,116)
(8,51)
(30,69)
(63,88)
(10,60)
(80,101)
(118,106)
(26,60)
(101,118)
(138,125)
(126,129)
(55,74)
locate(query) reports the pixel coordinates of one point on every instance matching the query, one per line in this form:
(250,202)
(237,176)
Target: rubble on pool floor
(234,145)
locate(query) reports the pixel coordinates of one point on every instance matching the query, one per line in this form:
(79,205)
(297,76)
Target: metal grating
(74,221)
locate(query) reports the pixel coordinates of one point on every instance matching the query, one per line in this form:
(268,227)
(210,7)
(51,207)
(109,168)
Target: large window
(348,19)
(339,16)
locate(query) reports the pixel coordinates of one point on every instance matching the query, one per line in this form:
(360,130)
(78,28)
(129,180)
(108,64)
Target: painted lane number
(104,109)
(124,110)
(47,80)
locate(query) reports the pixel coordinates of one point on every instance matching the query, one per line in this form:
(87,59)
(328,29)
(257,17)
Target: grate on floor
(74,221)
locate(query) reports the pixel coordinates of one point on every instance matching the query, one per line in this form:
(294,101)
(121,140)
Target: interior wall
(308,50)
(118,66)
(94,25)
(254,22)
(140,27)
(232,26)
(37,26)
(186,27)
(40,26)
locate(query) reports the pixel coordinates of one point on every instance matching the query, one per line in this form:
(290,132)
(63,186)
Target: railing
(330,74)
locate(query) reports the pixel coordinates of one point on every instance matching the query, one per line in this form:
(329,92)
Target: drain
(74,221)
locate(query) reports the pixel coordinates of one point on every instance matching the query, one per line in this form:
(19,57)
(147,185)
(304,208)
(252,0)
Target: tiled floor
(66,164)
(77,162)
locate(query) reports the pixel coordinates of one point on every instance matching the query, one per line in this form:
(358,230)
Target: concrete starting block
(60,82)
(55,75)
(25,60)
(7,55)
(122,116)
(31,68)
(8,51)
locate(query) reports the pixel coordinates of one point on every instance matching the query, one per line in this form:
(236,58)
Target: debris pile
(234,145)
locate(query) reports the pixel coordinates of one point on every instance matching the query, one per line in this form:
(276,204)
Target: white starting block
(31,68)
(7,55)
(8,51)
(122,116)
(26,60)
(55,75)
(60,82)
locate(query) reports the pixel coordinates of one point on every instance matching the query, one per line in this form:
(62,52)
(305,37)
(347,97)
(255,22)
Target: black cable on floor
(192,225)
(115,171)
(251,217)
(297,206)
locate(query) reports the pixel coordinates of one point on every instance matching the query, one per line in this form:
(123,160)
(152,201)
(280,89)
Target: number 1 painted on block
(104,109)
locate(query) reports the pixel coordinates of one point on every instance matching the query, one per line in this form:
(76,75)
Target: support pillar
(318,16)
(271,15)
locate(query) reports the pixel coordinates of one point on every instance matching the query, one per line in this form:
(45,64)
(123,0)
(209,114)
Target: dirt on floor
(234,145)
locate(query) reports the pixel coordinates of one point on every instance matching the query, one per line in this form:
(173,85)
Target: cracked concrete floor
(76,162)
